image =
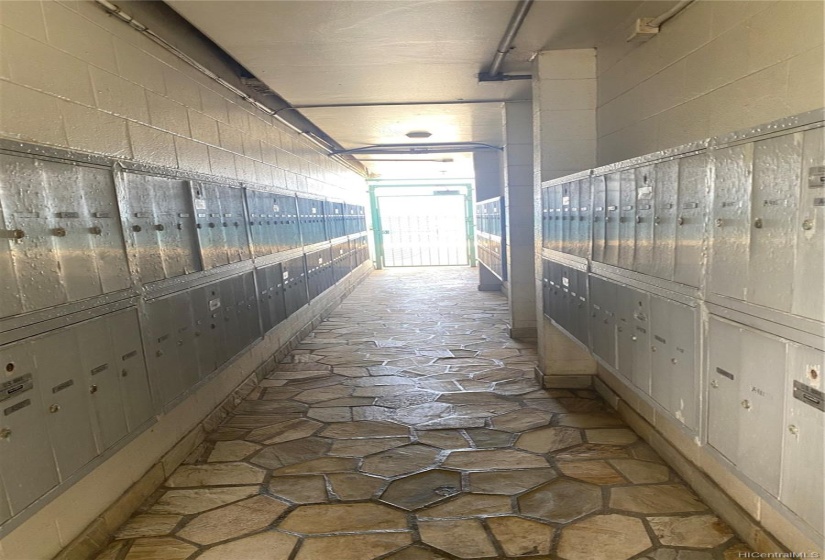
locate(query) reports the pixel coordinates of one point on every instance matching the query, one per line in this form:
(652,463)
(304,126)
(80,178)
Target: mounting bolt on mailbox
(5,433)
(54,408)
(746,404)
(757,223)
(93,389)
(793,429)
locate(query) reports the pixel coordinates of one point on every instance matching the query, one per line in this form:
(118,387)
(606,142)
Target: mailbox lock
(638,219)
(59,232)
(124,373)
(136,228)
(18,234)
(211,224)
(680,220)
(5,433)
(757,223)
(634,338)
(657,220)
(746,404)
(95,230)
(807,225)
(793,429)
(652,348)
(93,389)
(160,227)
(719,222)
(54,408)
(714,384)
(673,360)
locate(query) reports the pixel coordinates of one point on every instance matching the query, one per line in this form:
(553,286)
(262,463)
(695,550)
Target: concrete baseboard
(489,287)
(523,333)
(98,534)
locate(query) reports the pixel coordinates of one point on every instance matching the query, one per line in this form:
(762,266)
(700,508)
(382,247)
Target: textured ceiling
(344,51)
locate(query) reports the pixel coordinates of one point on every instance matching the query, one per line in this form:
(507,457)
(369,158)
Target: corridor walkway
(408,426)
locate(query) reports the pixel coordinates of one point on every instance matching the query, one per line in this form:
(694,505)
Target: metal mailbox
(271,294)
(130,366)
(311,220)
(673,359)
(627,219)
(694,187)
(645,181)
(295,287)
(665,201)
(599,215)
(611,218)
(603,319)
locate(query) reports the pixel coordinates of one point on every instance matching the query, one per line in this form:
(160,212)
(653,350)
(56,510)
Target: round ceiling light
(419,134)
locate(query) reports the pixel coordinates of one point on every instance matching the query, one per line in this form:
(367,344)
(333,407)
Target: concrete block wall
(716,67)
(73,77)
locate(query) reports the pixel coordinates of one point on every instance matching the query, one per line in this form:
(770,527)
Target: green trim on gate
(378,230)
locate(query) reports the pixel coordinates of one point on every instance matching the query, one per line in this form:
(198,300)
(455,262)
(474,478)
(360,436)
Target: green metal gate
(417,227)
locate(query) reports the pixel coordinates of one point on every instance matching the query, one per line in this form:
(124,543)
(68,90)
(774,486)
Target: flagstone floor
(408,426)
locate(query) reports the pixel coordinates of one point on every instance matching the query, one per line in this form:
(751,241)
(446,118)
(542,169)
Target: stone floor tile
(521,420)
(419,490)
(343,518)
(232,451)
(452,422)
(683,554)
(401,460)
(484,438)
(364,447)
(285,431)
(234,520)
(641,472)
(547,440)
(270,545)
(331,414)
(467,505)
(415,553)
(592,420)
(594,472)
(321,465)
(615,436)
(160,548)
(603,537)
(300,489)
(696,531)
(561,501)
(148,525)
(660,498)
(493,460)
(509,482)
(464,538)
(443,439)
(592,451)
(291,452)
(366,429)
(215,474)
(409,398)
(352,547)
(521,537)
(186,502)
(355,486)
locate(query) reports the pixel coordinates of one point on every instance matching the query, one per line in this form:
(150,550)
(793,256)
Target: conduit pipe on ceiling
(329,147)
(493,74)
(658,21)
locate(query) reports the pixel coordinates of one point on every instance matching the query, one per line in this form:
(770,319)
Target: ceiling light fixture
(419,134)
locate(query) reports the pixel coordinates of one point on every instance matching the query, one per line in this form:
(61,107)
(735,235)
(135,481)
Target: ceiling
(330,52)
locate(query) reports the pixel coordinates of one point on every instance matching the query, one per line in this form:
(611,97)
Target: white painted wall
(717,67)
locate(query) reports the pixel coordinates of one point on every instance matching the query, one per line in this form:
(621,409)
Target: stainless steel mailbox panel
(725,378)
(645,183)
(139,222)
(665,200)
(569,201)
(641,340)
(809,269)
(730,223)
(545,217)
(207,311)
(761,408)
(233,221)
(599,214)
(602,319)
(612,202)
(802,465)
(746,399)
(673,361)
(624,305)
(211,233)
(130,365)
(271,294)
(694,185)
(556,221)
(184,339)
(627,219)
(65,399)
(162,350)
(101,381)
(23,416)
(61,234)
(777,166)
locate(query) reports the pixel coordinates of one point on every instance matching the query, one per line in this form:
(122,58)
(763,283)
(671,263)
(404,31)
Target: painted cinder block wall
(73,77)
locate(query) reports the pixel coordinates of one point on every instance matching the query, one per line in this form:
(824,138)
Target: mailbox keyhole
(10,367)
(813,374)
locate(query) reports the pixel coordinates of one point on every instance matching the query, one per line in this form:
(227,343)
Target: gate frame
(378,230)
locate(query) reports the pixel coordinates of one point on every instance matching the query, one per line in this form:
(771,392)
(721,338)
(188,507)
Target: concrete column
(488,183)
(518,200)
(564,142)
